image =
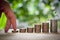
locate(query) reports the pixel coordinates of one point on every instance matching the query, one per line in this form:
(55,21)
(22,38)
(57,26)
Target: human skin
(11,18)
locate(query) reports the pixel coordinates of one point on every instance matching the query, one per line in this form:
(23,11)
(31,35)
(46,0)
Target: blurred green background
(32,11)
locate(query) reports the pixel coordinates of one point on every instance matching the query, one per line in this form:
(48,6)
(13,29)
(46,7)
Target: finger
(13,22)
(7,26)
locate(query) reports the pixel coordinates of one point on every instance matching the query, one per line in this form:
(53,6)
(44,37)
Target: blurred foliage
(2,21)
(59,24)
(32,11)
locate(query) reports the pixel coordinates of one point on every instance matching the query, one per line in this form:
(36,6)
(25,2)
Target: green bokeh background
(31,11)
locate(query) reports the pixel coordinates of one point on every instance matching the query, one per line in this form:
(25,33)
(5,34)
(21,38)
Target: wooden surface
(29,36)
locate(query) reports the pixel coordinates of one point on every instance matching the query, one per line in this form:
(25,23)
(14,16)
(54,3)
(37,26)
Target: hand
(10,21)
